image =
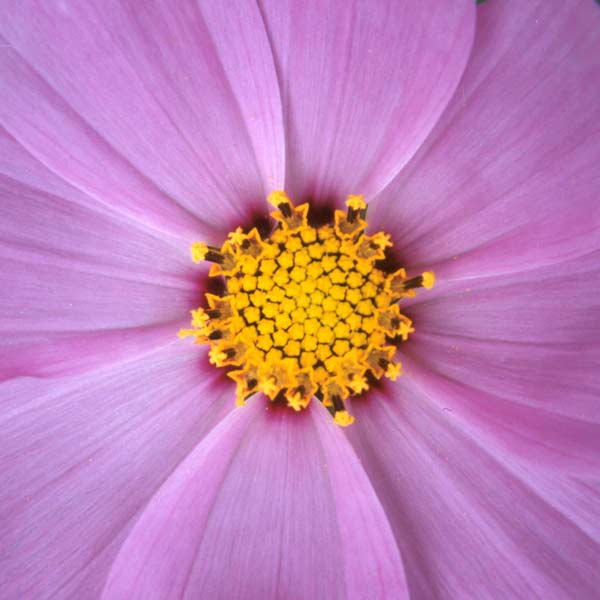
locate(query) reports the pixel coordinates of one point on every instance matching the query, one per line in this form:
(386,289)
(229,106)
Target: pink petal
(62,353)
(140,107)
(532,434)
(238,33)
(80,457)
(362,85)
(471,523)
(81,287)
(20,168)
(272,504)
(517,359)
(508,180)
(551,304)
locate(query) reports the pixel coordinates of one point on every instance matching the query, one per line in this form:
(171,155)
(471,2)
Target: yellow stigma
(307,311)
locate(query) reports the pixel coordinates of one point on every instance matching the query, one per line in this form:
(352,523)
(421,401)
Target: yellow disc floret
(306,311)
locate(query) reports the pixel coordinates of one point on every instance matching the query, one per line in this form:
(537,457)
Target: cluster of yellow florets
(307,313)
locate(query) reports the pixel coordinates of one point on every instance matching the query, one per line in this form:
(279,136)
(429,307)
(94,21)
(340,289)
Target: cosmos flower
(131,130)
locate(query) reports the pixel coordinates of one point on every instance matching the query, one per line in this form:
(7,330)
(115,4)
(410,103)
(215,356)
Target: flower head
(307,311)
(131,130)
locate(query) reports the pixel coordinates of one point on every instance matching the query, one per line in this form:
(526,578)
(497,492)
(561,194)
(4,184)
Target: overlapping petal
(169,122)
(362,85)
(271,504)
(80,287)
(508,179)
(470,522)
(81,456)
(501,202)
(517,358)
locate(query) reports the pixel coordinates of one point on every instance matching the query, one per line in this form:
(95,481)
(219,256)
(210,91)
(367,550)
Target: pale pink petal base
(272,504)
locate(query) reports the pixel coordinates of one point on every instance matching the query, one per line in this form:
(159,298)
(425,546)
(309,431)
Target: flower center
(307,312)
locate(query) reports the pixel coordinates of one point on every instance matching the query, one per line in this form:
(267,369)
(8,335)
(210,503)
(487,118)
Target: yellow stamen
(307,311)
(356,203)
(428,279)
(199,251)
(343,418)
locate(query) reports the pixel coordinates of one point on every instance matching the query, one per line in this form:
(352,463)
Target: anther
(413,282)
(285,209)
(209,253)
(357,208)
(337,403)
(425,280)
(213,255)
(340,414)
(251,244)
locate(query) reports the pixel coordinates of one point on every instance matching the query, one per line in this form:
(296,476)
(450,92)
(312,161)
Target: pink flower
(130,130)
